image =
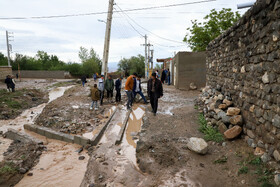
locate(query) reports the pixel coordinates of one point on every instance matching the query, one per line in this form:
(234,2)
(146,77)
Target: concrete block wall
(43,74)
(4,71)
(245,62)
(190,67)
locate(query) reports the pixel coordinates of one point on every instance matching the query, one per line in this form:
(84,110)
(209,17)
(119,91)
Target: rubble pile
(219,112)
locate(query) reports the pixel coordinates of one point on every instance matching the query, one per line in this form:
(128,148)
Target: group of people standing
(132,88)
(10,82)
(165,76)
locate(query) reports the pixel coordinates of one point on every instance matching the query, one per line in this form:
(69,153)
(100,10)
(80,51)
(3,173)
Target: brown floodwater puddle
(58,166)
(133,128)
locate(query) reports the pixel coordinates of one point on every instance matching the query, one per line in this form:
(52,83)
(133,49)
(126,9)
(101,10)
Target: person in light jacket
(101,88)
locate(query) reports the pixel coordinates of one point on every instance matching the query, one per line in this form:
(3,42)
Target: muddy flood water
(59,165)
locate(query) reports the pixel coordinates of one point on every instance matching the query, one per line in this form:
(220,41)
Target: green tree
(201,34)
(158,67)
(135,64)
(91,62)
(3,60)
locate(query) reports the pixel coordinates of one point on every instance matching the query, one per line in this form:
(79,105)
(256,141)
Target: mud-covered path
(115,165)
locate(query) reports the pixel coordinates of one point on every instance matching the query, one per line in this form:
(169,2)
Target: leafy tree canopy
(201,34)
(135,64)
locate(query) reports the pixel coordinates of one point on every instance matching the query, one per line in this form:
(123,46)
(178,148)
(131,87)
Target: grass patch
(210,133)
(243,170)
(221,160)
(8,168)
(264,175)
(196,107)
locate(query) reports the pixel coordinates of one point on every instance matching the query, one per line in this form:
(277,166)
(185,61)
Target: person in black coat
(155,91)
(10,83)
(163,76)
(84,80)
(118,86)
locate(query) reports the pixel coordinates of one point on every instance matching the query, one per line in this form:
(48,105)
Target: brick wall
(4,71)
(245,62)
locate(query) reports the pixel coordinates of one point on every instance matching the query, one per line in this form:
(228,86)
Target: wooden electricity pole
(107,39)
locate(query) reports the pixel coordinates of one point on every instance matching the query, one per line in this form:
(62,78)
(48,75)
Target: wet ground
(162,158)
(115,165)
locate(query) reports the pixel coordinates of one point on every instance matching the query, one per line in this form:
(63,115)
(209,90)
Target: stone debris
(233,132)
(198,145)
(193,86)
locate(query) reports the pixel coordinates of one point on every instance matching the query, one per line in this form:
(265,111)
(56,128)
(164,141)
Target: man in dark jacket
(109,87)
(118,86)
(137,89)
(84,80)
(155,91)
(163,76)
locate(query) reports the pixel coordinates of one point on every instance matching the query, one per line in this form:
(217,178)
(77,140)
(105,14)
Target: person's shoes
(155,114)
(96,109)
(90,108)
(146,103)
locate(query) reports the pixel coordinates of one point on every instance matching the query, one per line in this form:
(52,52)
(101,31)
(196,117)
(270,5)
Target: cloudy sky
(64,36)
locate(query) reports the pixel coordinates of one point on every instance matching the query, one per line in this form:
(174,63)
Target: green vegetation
(243,170)
(221,160)
(210,133)
(201,34)
(133,64)
(91,62)
(9,99)
(8,168)
(255,164)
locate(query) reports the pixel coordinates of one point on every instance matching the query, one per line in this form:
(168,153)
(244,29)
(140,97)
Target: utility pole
(146,58)
(107,39)
(8,48)
(152,60)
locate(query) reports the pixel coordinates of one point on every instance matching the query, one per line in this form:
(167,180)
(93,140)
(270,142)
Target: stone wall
(190,68)
(4,71)
(43,74)
(244,62)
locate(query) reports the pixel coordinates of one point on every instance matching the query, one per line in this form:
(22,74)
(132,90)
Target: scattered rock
(277,179)
(232,111)
(30,174)
(251,134)
(265,158)
(233,132)
(236,120)
(222,127)
(193,86)
(276,155)
(227,102)
(198,145)
(223,106)
(22,170)
(224,144)
(82,157)
(259,151)
(91,185)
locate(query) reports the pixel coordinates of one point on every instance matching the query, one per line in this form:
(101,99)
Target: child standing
(95,96)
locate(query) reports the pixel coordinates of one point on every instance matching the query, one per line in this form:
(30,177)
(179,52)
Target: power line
(99,13)
(147,29)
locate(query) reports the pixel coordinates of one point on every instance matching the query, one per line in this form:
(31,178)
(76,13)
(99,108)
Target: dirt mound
(71,113)
(14,103)
(18,160)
